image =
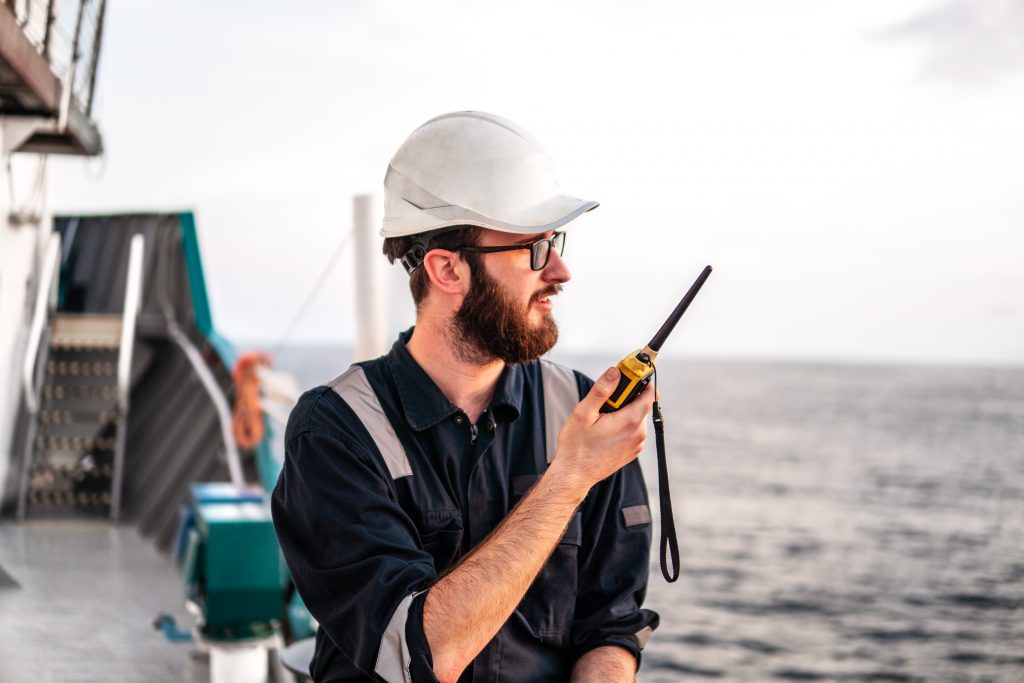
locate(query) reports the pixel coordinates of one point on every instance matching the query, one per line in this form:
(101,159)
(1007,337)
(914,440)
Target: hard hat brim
(412,210)
(549,215)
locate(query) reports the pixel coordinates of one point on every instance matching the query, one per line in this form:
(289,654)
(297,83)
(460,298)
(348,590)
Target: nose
(555,272)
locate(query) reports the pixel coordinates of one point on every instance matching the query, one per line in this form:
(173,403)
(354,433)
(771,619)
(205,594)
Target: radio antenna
(666,329)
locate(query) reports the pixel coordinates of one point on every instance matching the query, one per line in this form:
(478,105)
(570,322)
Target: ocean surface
(836,522)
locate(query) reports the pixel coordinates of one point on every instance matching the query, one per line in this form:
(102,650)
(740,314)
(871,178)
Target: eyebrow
(531,239)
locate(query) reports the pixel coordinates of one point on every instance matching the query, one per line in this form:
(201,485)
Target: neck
(467,383)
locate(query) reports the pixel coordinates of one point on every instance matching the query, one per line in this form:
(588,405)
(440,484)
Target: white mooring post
(371,298)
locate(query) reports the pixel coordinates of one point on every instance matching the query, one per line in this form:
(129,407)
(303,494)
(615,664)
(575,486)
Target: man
(453,510)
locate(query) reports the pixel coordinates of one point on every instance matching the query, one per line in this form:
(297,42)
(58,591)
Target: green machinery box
(234,570)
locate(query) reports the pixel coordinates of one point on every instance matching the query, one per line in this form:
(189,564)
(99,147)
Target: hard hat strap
(417,251)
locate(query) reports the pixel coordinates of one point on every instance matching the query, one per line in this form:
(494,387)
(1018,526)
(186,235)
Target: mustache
(546,292)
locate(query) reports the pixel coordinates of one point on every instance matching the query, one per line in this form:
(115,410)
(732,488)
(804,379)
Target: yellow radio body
(636,370)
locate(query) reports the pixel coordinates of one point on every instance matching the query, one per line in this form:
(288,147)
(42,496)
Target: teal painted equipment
(232,566)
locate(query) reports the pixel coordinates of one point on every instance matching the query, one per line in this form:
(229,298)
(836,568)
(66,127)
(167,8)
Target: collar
(425,405)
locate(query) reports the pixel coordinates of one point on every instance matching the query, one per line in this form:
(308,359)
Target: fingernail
(609,374)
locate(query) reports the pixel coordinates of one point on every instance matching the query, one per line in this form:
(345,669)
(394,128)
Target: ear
(447,271)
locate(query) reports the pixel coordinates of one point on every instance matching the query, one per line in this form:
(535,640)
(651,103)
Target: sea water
(836,522)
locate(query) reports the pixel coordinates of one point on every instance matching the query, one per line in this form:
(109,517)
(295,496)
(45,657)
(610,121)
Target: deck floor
(77,603)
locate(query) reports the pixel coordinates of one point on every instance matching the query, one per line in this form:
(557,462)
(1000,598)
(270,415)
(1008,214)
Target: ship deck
(78,600)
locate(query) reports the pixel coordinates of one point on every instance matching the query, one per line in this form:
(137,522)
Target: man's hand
(466,608)
(594,445)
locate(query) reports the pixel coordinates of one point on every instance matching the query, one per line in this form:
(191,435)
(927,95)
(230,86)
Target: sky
(854,172)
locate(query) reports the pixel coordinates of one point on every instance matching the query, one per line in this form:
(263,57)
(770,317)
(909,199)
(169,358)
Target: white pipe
(46,301)
(132,303)
(126,349)
(371,319)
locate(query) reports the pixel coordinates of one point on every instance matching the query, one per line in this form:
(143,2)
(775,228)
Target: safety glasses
(540,251)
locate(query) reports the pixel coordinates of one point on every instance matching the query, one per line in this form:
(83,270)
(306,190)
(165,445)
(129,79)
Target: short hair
(458,236)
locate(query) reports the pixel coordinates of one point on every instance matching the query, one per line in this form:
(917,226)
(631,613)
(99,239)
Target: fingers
(602,389)
(638,408)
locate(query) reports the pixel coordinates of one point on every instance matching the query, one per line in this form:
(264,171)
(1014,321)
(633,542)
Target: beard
(490,325)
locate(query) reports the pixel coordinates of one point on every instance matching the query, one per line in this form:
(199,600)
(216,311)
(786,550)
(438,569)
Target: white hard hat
(474,168)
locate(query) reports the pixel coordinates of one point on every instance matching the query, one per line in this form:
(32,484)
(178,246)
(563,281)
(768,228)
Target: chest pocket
(441,536)
(550,602)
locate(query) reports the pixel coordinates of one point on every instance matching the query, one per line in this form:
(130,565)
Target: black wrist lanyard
(669,541)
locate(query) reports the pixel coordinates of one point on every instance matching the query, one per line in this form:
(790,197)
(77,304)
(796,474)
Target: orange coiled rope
(247,418)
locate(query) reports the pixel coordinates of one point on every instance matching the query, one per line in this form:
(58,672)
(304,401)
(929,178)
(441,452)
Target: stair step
(83,437)
(67,499)
(82,368)
(70,479)
(74,444)
(91,353)
(90,414)
(77,469)
(86,331)
(80,391)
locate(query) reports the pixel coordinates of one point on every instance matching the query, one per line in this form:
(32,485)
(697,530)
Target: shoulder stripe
(355,389)
(561,395)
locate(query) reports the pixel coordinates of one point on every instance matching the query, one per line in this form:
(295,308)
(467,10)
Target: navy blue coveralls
(367,529)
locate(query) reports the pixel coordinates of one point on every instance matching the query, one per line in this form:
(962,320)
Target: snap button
(458,419)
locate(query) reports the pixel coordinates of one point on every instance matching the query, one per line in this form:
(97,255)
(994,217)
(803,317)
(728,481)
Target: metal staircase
(72,461)
(121,320)
(74,454)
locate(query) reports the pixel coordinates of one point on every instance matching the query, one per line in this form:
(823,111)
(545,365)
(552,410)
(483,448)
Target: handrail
(126,349)
(216,395)
(132,304)
(46,302)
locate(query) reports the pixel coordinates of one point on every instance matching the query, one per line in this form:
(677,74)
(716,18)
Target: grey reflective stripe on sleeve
(361,398)
(393,658)
(561,395)
(643,635)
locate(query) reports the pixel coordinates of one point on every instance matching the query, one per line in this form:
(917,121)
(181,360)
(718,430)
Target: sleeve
(614,564)
(353,552)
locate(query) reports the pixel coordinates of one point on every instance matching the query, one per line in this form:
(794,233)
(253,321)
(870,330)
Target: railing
(132,304)
(68,34)
(220,402)
(46,302)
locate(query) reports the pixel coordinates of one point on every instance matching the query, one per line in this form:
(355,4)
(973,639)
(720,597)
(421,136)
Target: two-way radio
(636,370)
(638,367)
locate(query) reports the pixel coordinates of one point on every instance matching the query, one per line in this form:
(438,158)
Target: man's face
(507,314)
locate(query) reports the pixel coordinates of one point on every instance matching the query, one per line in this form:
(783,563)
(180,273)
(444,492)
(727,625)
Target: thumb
(602,389)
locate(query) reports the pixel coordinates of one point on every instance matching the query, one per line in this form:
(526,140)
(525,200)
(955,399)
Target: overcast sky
(854,171)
